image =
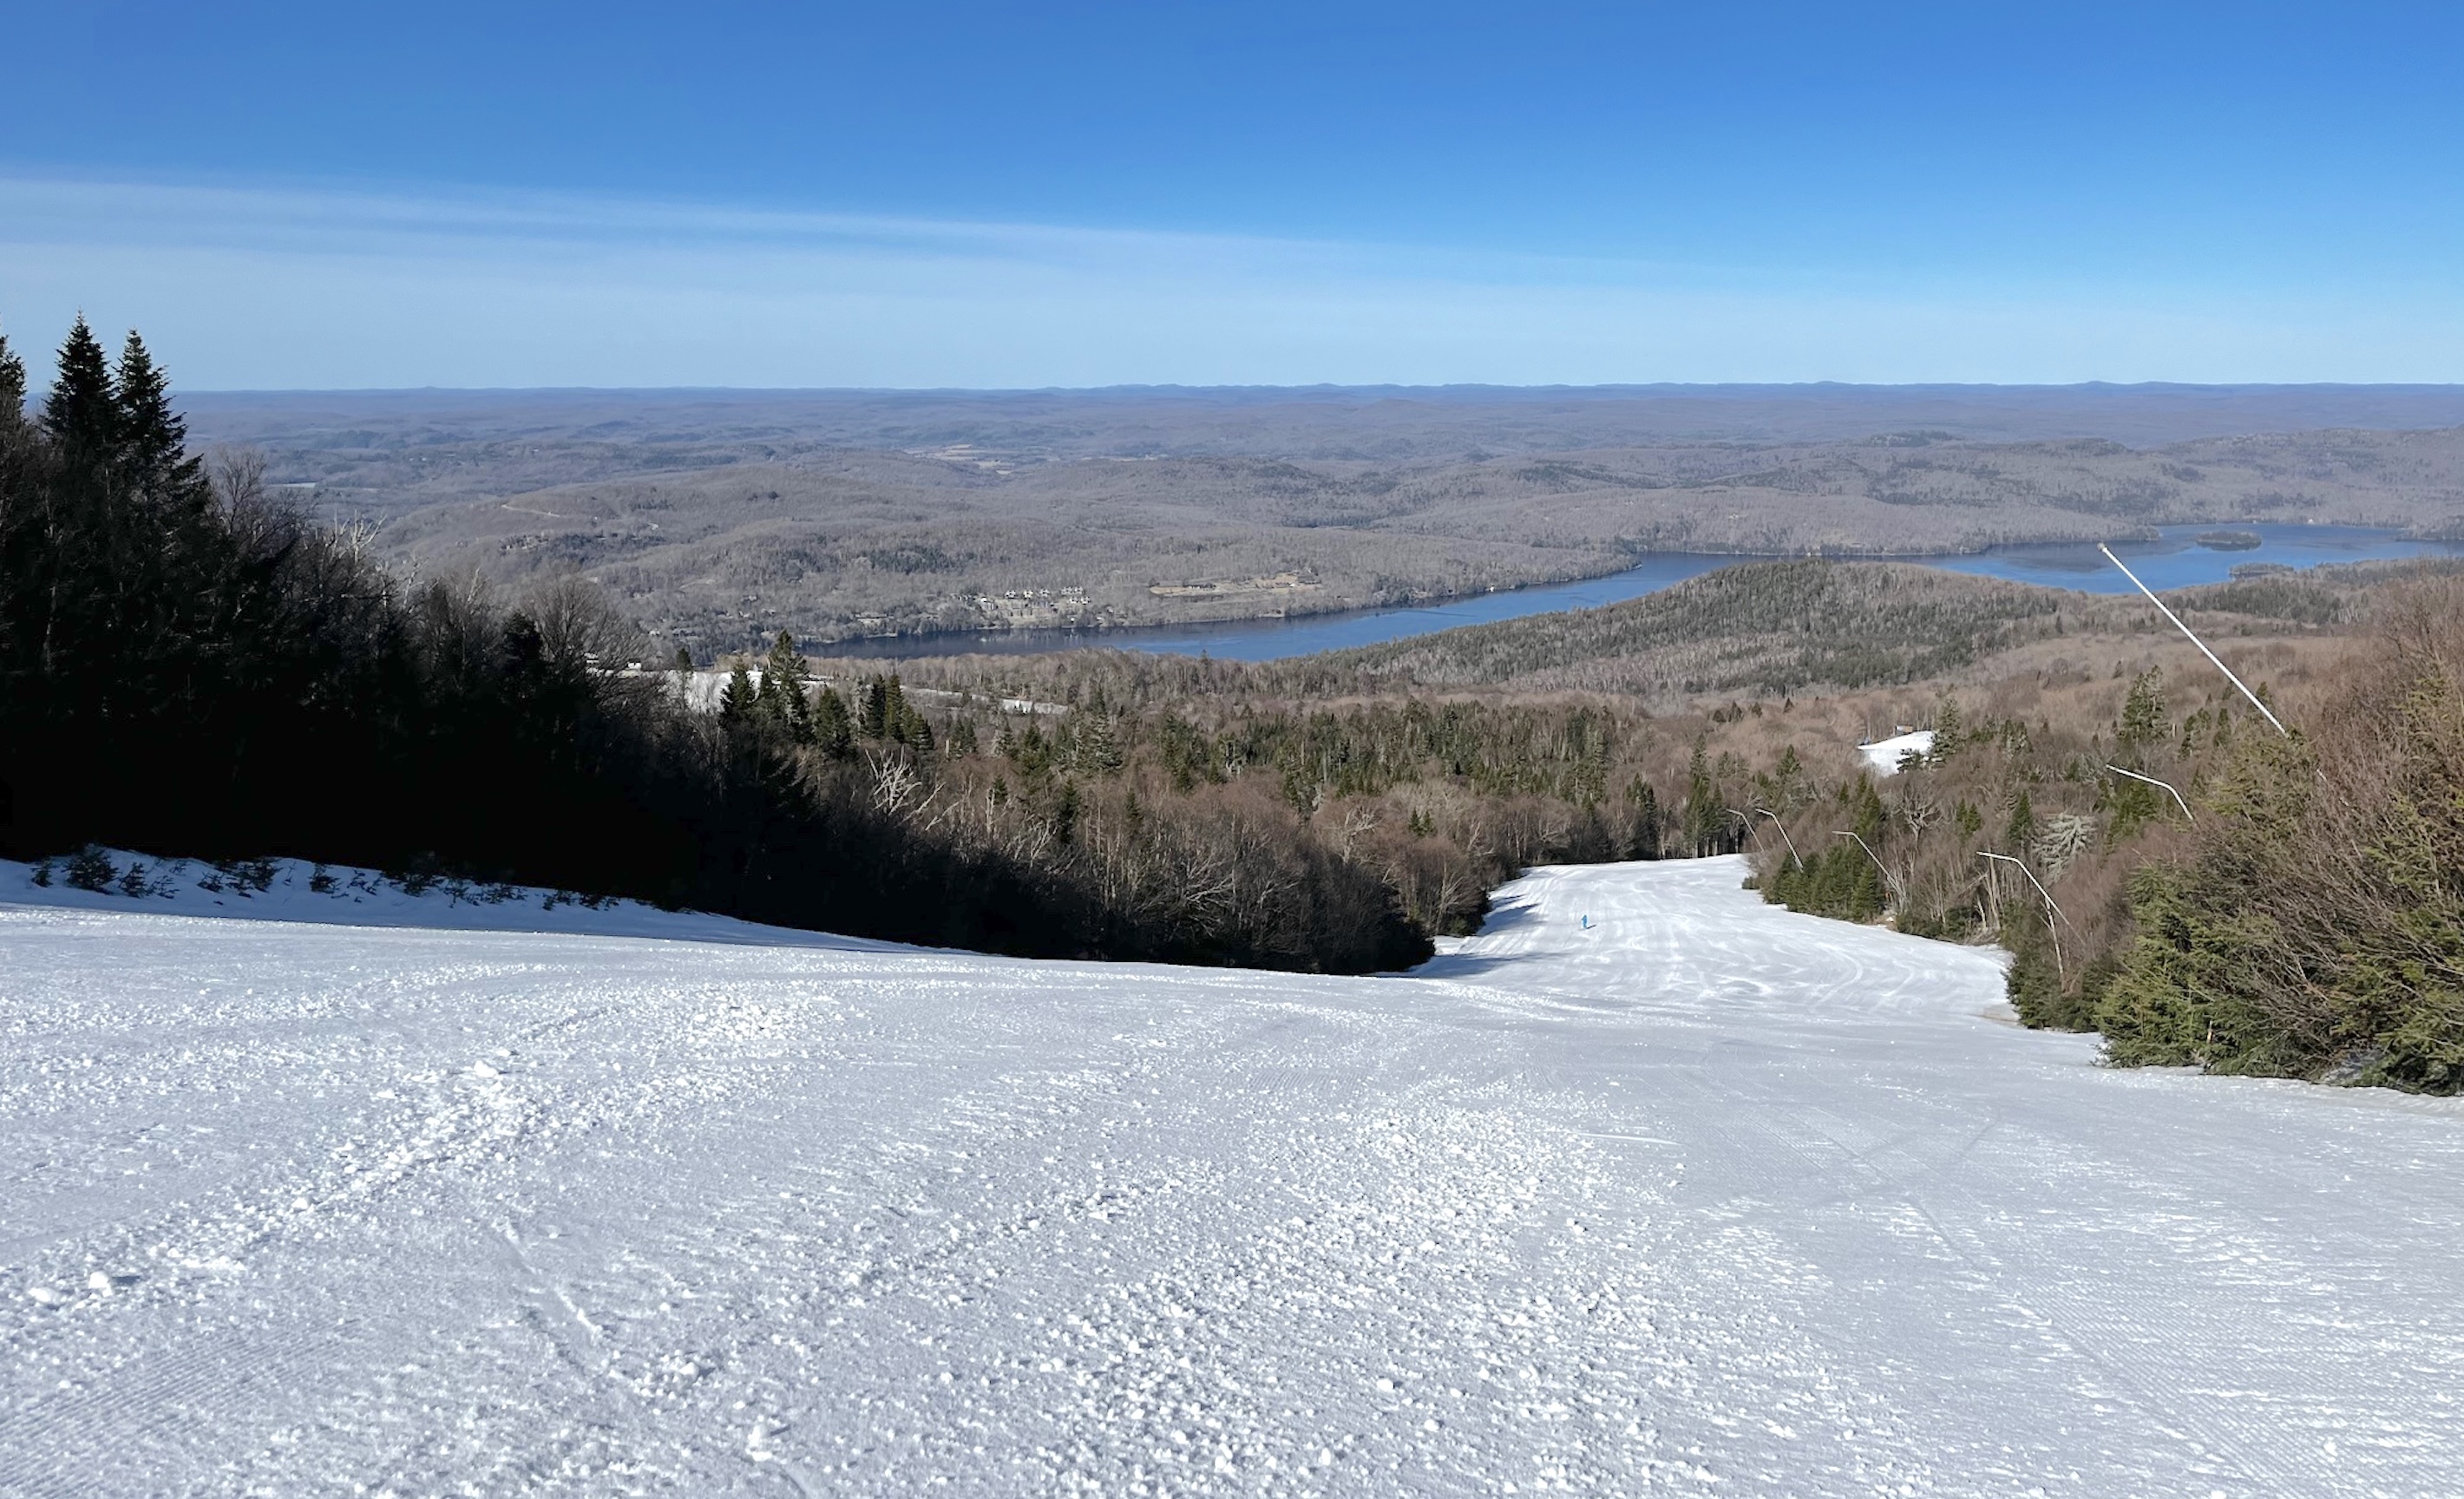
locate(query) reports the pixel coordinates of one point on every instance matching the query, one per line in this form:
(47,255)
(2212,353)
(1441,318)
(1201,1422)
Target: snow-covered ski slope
(1704,1197)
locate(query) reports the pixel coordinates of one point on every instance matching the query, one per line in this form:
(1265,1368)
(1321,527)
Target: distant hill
(720,517)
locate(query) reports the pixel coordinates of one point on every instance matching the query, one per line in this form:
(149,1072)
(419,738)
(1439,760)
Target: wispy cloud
(255,287)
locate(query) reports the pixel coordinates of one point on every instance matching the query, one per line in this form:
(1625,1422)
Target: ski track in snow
(1707,1198)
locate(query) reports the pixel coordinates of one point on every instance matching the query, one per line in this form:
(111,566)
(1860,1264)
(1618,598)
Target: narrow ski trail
(1703,1196)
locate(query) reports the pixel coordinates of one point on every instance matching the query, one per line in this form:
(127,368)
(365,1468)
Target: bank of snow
(1884,755)
(1648,1187)
(290,889)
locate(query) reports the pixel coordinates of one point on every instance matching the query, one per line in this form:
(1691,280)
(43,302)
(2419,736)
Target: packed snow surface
(1698,1196)
(1884,755)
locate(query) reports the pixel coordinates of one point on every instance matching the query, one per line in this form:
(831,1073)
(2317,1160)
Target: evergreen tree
(1948,729)
(1702,802)
(152,438)
(894,712)
(82,412)
(2142,713)
(12,384)
(1099,748)
(872,720)
(739,698)
(2021,830)
(834,729)
(785,690)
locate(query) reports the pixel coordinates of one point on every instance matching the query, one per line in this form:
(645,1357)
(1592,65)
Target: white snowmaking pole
(2050,929)
(1890,881)
(1783,834)
(2211,656)
(2153,781)
(2032,879)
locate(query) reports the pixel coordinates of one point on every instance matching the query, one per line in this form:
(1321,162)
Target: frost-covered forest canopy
(196,663)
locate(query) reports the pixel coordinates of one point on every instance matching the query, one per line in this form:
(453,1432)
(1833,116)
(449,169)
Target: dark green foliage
(738,698)
(207,676)
(2035,984)
(2144,720)
(82,414)
(13,385)
(2019,828)
(150,438)
(833,727)
(1838,880)
(875,715)
(89,868)
(2318,924)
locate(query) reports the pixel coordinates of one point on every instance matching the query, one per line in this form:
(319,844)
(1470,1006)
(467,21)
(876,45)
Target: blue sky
(291,195)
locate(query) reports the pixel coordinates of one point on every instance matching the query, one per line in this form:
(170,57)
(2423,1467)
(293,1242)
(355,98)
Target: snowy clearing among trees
(1649,1186)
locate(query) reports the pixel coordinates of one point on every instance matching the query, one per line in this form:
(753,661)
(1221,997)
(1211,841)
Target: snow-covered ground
(1884,755)
(1703,1197)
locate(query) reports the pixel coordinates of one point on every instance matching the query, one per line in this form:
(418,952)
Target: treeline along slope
(190,669)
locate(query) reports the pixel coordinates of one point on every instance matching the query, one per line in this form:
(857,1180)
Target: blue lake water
(2176,560)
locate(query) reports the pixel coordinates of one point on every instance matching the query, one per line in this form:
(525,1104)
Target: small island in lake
(2230,540)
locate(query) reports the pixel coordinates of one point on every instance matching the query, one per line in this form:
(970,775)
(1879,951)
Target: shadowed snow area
(1703,1196)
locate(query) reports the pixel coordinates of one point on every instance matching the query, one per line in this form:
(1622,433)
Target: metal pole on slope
(1741,818)
(2213,658)
(2050,929)
(1890,881)
(1783,834)
(2153,781)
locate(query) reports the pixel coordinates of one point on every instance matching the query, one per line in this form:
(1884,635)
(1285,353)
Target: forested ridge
(190,669)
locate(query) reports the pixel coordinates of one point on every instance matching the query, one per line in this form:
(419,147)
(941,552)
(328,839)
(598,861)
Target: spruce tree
(833,730)
(737,699)
(82,412)
(784,689)
(894,712)
(152,438)
(2142,713)
(1099,749)
(1702,801)
(872,719)
(13,385)
(2021,830)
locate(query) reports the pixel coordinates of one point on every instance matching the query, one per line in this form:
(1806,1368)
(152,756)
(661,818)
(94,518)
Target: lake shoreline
(2169,556)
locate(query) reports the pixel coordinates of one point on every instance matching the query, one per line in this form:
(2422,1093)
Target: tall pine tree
(834,729)
(153,438)
(873,718)
(82,412)
(737,699)
(786,690)
(12,384)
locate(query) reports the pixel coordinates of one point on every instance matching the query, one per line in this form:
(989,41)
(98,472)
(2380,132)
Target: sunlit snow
(1703,1196)
(1884,755)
